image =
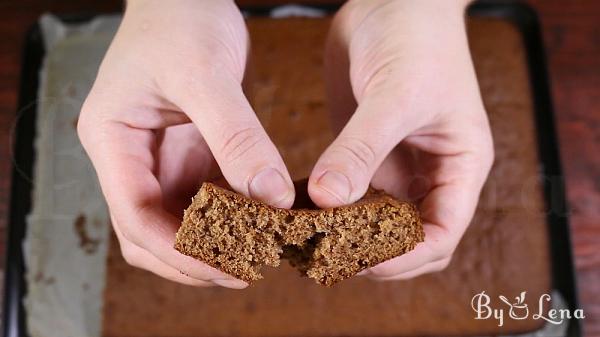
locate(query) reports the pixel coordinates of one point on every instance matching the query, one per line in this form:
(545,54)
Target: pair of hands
(167,111)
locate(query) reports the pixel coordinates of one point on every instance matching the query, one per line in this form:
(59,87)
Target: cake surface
(239,235)
(503,252)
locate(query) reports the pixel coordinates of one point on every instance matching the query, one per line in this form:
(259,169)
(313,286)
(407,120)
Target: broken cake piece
(239,235)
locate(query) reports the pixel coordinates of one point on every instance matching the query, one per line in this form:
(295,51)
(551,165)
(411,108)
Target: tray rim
(522,16)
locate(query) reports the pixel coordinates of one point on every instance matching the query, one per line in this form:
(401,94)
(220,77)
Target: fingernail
(365,272)
(270,186)
(336,184)
(231,283)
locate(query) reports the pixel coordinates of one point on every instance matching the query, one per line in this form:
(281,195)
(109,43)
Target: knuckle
(83,123)
(131,254)
(133,228)
(92,120)
(135,219)
(241,143)
(481,139)
(489,154)
(131,233)
(441,265)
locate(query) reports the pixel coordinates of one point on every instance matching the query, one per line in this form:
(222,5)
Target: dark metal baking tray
(522,16)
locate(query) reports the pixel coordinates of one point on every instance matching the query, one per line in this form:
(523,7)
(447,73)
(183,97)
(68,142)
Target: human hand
(405,100)
(168,98)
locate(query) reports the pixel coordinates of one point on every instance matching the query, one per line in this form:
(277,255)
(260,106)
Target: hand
(404,94)
(166,100)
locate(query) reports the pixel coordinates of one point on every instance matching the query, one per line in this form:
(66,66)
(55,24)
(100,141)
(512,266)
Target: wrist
(428,13)
(357,10)
(133,4)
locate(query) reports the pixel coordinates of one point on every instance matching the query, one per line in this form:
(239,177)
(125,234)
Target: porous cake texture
(239,235)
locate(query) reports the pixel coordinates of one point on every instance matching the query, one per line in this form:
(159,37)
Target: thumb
(246,156)
(343,172)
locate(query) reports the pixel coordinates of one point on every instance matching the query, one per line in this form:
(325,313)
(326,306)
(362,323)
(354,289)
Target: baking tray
(522,16)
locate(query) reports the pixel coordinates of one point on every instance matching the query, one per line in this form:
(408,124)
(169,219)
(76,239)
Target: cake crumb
(239,235)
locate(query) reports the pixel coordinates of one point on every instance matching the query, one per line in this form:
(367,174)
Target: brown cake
(239,235)
(503,252)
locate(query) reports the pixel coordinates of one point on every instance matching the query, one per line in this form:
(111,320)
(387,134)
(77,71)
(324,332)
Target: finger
(124,161)
(436,247)
(457,180)
(247,157)
(343,172)
(431,267)
(446,211)
(158,236)
(140,258)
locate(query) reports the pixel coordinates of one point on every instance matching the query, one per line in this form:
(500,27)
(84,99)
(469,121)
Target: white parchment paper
(67,230)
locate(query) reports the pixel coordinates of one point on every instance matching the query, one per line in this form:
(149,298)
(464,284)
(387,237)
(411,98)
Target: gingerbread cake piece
(239,235)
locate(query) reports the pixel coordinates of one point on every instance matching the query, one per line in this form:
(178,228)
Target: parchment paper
(67,230)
